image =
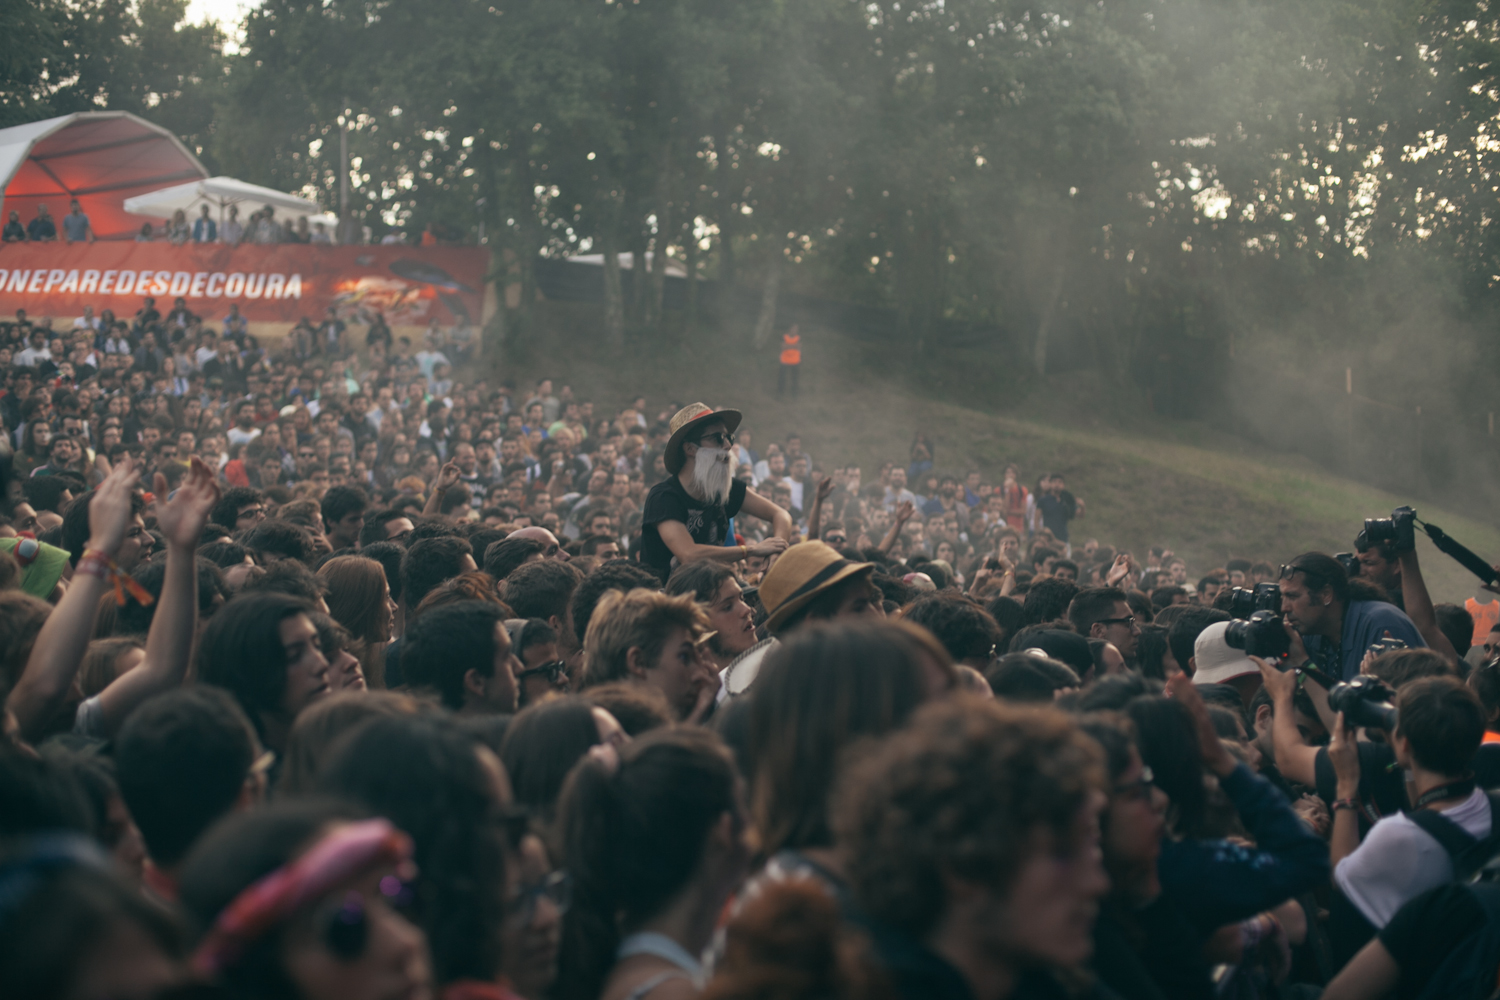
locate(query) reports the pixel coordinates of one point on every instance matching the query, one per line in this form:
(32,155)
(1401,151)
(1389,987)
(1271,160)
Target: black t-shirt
(707,523)
(1380,781)
(1424,932)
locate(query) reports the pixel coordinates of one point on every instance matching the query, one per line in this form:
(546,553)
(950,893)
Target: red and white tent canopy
(99,157)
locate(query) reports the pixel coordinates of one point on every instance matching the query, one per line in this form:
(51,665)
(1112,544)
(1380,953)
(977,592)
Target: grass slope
(1206,496)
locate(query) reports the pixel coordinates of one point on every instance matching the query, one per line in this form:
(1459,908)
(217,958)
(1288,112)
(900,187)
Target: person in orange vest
(791,360)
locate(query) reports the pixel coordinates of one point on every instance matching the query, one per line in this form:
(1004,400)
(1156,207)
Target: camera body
(1349,560)
(1262,635)
(1380,646)
(1245,602)
(1365,701)
(1399,531)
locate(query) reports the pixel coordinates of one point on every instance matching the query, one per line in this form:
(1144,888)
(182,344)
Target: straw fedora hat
(690,420)
(801,573)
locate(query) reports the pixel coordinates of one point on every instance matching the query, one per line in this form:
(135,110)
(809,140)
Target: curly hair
(963,791)
(964,628)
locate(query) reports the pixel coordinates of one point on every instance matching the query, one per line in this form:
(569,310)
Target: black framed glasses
(557,887)
(556,671)
(1128,621)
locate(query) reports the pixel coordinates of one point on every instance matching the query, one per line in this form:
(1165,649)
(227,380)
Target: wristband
(93,563)
(96,563)
(1351,804)
(744,551)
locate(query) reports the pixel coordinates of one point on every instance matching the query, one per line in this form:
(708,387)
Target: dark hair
(1399,667)
(633,836)
(374,529)
(446,642)
(1457,624)
(505,556)
(958,793)
(426,777)
(1168,740)
(279,539)
(964,628)
(531,632)
(40,796)
(1113,693)
(429,562)
(1445,722)
(1150,647)
(1183,635)
(341,501)
(702,578)
(227,511)
(75,526)
(241,651)
(182,759)
(290,577)
(1115,734)
(1319,571)
(58,913)
(617,574)
(1048,600)
(1021,677)
(1009,615)
(235,854)
(1161,597)
(818,692)
(542,744)
(45,492)
(390,555)
(1092,605)
(223,553)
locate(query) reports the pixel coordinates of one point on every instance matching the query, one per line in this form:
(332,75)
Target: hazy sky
(227,12)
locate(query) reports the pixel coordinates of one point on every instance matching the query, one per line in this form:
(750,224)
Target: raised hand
(905,512)
(181,519)
(447,477)
(825,488)
(109,511)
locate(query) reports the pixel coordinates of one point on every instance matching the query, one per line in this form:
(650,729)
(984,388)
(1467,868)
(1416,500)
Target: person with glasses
(305,899)
(542,669)
(538,900)
(687,515)
(1104,613)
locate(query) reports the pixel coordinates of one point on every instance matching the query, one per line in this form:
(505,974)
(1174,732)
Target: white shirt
(1398,860)
(237,435)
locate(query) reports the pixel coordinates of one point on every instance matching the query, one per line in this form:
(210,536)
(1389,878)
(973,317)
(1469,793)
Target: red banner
(275,283)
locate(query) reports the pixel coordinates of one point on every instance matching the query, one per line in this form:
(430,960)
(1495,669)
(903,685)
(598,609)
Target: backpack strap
(1453,838)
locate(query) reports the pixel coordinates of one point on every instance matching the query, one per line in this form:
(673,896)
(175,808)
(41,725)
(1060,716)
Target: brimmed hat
(801,573)
(689,420)
(1216,661)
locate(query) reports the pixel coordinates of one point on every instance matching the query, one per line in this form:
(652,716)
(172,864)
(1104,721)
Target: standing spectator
(14,231)
(791,360)
(76,225)
(41,229)
(205,230)
(234,232)
(320,235)
(145,235)
(178,231)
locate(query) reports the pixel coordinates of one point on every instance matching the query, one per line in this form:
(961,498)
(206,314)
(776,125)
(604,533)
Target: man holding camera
(1328,628)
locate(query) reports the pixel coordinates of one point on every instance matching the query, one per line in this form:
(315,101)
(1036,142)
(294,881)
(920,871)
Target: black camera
(1399,531)
(1262,635)
(1365,702)
(1245,602)
(1349,560)
(1380,646)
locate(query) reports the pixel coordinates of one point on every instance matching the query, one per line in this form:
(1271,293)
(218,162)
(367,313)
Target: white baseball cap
(1216,660)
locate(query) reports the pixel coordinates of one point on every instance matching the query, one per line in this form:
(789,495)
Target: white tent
(218,193)
(98,157)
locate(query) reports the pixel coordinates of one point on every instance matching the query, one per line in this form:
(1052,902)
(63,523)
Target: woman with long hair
(543,743)
(36,447)
(656,838)
(359,598)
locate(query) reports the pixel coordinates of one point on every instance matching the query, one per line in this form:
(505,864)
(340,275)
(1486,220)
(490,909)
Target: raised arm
(169,644)
(815,519)
(60,645)
(758,506)
(446,478)
(1419,606)
(903,514)
(1294,757)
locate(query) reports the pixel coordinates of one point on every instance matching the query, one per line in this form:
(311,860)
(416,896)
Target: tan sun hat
(689,420)
(801,573)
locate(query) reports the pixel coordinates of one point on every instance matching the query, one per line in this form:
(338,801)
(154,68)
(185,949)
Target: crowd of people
(328,673)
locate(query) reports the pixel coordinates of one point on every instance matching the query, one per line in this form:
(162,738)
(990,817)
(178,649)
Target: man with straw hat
(811,583)
(686,516)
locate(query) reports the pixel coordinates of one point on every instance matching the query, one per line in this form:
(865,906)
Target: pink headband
(336,858)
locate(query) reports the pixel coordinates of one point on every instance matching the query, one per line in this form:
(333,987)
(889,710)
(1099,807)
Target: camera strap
(1455,790)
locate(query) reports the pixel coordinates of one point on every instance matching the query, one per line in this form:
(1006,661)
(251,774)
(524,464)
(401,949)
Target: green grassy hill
(1206,496)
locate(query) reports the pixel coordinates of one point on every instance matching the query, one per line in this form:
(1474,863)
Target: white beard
(712,475)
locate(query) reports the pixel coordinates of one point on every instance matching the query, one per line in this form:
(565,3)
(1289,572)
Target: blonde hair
(640,620)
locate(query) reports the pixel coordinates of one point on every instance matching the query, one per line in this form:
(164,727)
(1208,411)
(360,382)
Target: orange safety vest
(1485,616)
(791,352)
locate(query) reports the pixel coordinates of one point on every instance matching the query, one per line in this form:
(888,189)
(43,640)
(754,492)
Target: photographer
(1330,629)
(1439,729)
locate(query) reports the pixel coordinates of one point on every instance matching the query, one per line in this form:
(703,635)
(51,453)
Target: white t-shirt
(1398,860)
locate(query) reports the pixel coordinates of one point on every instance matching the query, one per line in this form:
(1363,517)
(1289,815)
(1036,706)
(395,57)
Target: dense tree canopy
(1223,203)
